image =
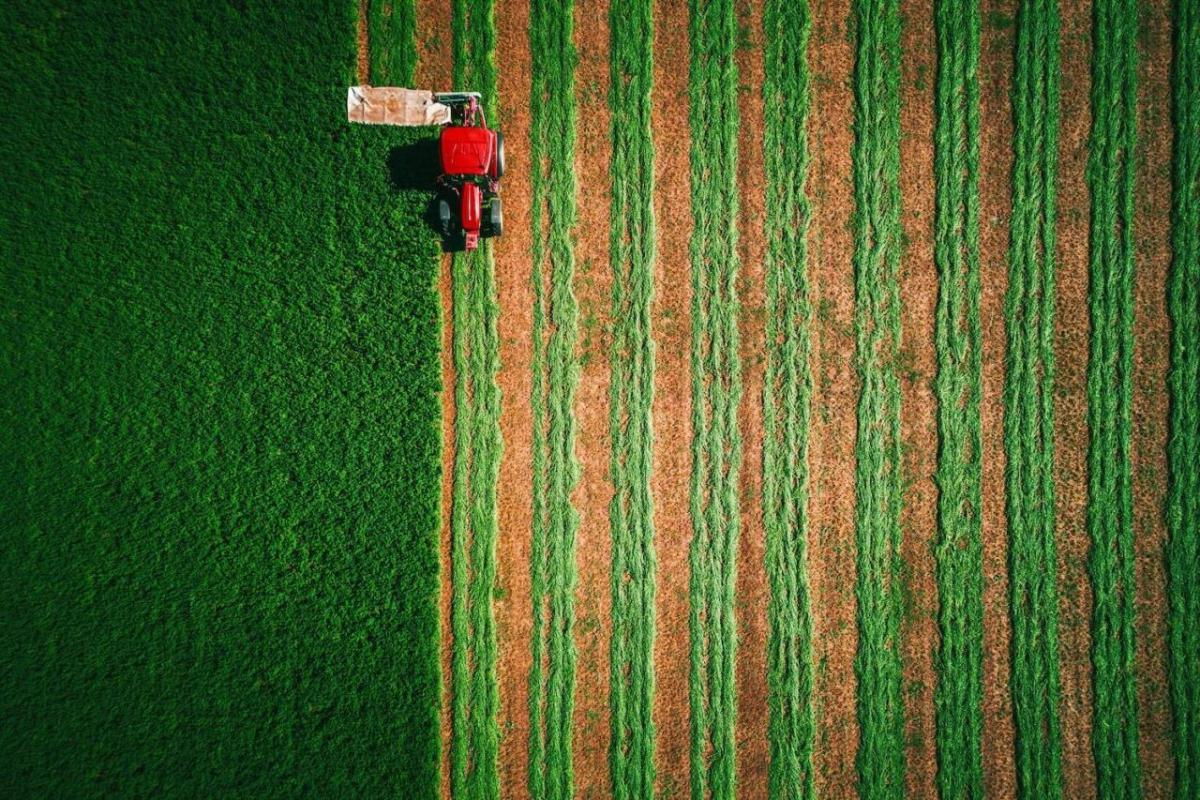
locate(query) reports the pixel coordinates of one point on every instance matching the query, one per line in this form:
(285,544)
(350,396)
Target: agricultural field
(824,423)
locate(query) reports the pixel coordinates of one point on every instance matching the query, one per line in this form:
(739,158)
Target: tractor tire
(499,155)
(445,216)
(495,225)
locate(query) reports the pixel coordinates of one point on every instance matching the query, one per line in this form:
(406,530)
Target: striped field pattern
(1110,397)
(786,399)
(555,377)
(876,171)
(959,694)
(1183,501)
(716,393)
(631,394)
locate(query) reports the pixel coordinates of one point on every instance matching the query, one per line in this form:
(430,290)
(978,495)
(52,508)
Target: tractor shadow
(414,168)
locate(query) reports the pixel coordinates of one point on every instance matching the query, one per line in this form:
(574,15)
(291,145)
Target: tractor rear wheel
(499,155)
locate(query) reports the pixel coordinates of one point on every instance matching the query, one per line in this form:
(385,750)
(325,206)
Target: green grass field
(221,433)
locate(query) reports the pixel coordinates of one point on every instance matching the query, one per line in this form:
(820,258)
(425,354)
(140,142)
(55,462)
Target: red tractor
(472,157)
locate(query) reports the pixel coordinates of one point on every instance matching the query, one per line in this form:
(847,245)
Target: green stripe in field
(1110,178)
(392,28)
(1183,502)
(958,696)
(555,378)
(475,701)
(786,398)
(716,390)
(876,170)
(1029,403)
(631,391)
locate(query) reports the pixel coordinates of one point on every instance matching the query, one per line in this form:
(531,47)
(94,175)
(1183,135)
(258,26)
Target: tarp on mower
(391,105)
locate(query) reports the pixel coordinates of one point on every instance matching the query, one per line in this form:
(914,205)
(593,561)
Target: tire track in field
(556,471)
(1183,508)
(1110,175)
(716,392)
(787,394)
(631,397)
(877,235)
(475,733)
(958,386)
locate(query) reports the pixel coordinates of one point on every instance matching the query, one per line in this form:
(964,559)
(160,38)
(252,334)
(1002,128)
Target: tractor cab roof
(467,150)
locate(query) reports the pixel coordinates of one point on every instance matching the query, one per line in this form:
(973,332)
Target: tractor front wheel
(495,226)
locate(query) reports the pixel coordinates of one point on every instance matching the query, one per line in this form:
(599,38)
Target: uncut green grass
(716,391)
(958,695)
(220,448)
(1110,178)
(392,36)
(787,399)
(475,732)
(1183,499)
(631,394)
(877,240)
(1029,403)
(556,376)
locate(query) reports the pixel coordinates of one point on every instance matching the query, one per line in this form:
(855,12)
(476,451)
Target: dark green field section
(220,423)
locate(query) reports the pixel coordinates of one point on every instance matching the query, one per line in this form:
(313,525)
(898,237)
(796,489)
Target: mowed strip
(876,168)
(1029,403)
(392,27)
(716,391)
(1183,499)
(958,697)
(555,379)
(1110,397)
(475,731)
(631,394)
(787,395)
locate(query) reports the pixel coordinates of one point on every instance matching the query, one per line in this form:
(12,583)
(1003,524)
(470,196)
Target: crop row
(958,696)
(876,170)
(1029,403)
(786,398)
(473,517)
(1183,503)
(1110,178)
(631,392)
(716,392)
(555,377)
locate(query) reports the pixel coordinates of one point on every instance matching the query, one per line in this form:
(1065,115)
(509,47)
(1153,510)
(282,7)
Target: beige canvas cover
(391,105)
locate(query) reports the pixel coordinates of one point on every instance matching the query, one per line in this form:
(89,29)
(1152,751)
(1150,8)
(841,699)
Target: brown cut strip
(835,387)
(1151,355)
(593,289)
(918,409)
(670,324)
(1070,406)
(995,207)
(363,63)
(514,613)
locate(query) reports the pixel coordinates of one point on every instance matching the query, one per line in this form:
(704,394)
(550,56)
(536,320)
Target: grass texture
(475,734)
(716,390)
(1029,403)
(786,399)
(1183,499)
(392,32)
(221,425)
(555,378)
(878,481)
(631,394)
(1110,178)
(958,696)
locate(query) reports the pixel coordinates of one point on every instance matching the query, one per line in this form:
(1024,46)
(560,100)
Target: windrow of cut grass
(1110,178)
(392,31)
(1029,403)
(787,394)
(555,520)
(958,696)
(631,393)
(878,481)
(475,734)
(1183,499)
(716,391)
